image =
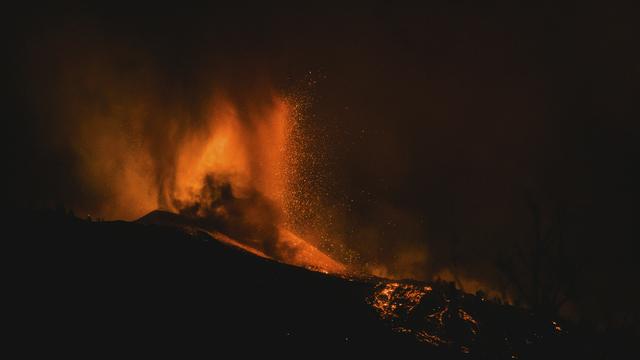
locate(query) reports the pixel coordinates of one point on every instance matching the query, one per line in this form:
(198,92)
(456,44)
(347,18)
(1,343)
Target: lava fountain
(239,173)
(233,164)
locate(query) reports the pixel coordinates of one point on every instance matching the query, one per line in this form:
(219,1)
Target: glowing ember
(430,338)
(469,319)
(433,317)
(439,316)
(393,299)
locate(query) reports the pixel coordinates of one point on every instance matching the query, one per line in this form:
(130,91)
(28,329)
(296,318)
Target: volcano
(288,248)
(168,284)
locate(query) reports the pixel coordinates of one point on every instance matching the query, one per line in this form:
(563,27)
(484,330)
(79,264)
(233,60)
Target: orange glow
(235,163)
(393,299)
(249,153)
(217,150)
(307,255)
(253,153)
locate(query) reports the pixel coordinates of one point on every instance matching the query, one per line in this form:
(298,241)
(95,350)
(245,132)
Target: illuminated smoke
(138,137)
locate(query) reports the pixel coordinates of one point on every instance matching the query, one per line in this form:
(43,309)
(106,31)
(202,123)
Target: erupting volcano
(238,174)
(443,180)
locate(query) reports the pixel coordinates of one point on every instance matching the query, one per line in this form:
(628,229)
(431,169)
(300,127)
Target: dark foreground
(82,288)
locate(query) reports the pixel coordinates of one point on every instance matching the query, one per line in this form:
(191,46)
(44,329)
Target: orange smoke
(233,165)
(139,137)
(249,154)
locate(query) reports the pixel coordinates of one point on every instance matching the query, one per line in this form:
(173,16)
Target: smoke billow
(252,218)
(213,140)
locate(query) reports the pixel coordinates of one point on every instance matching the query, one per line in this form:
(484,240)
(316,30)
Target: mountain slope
(161,285)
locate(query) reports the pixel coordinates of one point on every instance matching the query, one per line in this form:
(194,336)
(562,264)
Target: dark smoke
(252,219)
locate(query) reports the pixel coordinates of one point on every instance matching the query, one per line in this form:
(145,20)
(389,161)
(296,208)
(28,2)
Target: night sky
(434,126)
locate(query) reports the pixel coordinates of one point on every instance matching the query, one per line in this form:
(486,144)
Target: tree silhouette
(538,270)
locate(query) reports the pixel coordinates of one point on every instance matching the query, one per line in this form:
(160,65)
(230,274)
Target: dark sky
(436,123)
